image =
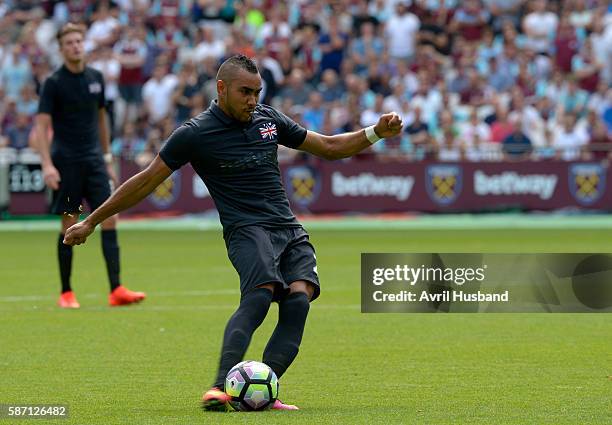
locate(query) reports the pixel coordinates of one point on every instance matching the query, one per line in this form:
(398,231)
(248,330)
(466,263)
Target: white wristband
(108,158)
(371,135)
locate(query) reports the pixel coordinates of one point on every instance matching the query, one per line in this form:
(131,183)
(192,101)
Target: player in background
(232,146)
(77,162)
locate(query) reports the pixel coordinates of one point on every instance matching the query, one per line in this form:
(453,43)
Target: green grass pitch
(149,364)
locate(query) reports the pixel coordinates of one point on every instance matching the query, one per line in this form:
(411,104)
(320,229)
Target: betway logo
(511,183)
(367,184)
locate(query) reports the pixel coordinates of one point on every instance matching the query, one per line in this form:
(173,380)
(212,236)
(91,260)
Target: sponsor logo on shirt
(95,88)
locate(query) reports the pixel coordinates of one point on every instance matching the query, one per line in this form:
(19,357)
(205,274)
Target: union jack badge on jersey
(268,131)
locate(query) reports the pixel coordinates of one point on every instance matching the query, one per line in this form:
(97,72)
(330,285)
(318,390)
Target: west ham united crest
(587,182)
(167,192)
(444,183)
(303,185)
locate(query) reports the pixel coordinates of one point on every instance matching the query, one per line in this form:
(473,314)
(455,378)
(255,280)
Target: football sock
(64,258)
(285,341)
(110,248)
(252,311)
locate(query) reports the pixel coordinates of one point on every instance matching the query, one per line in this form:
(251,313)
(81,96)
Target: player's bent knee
(110,223)
(67,221)
(269,286)
(302,286)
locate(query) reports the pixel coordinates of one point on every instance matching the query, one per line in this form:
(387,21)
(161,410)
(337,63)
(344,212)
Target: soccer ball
(251,386)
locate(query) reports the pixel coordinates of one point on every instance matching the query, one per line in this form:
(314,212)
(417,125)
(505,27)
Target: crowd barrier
(367,186)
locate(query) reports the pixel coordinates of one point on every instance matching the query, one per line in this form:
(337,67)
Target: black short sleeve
(178,149)
(290,133)
(102,96)
(47,97)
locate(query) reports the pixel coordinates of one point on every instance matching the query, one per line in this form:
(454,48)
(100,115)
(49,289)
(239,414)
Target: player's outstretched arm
(348,144)
(128,194)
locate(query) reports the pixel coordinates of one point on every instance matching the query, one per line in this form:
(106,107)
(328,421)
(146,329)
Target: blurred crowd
(475,80)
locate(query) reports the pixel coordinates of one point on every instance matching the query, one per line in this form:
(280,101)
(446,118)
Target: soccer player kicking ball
(77,163)
(233,147)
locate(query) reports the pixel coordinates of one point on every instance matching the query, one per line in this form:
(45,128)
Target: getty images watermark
(421,283)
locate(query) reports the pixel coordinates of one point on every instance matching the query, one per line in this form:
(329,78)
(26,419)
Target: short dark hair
(229,66)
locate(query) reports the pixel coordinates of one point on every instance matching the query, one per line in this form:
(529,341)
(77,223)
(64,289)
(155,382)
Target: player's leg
(299,268)
(64,257)
(97,190)
(250,251)
(66,203)
(284,344)
(239,330)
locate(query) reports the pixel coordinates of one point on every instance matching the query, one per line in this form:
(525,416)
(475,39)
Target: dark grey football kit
(73,101)
(265,243)
(238,163)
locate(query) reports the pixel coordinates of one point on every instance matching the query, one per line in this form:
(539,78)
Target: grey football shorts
(280,256)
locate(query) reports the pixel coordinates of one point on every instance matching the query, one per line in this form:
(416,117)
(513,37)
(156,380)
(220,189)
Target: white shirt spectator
(110,69)
(205,49)
(540,28)
(468,132)
(569,142)
(99,31)
(269,29)
(158,96)
(401,32)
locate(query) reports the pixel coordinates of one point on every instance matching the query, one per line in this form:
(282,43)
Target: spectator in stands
(448,148)
(364,49)
(586,67)
(601,41)
(401,31)
(297,89)
(517,146)
(473,129)
(104,31)
(107,63)
(19,134)
(157,93)
(421,55)
(274,33)
(572,99)
(417,130)
(368,116)
(332,45)
(566,45)
(470,20)
(129,144)
(600,142)
(499,77)
(209,45)
(432,33)
(569,140)
(307,52)
(504,11)
(314,112)
(16,71)
(187,87)
(501,127)
(8,114)
(330,86)
(540,26)
(131,52)
(27,103)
